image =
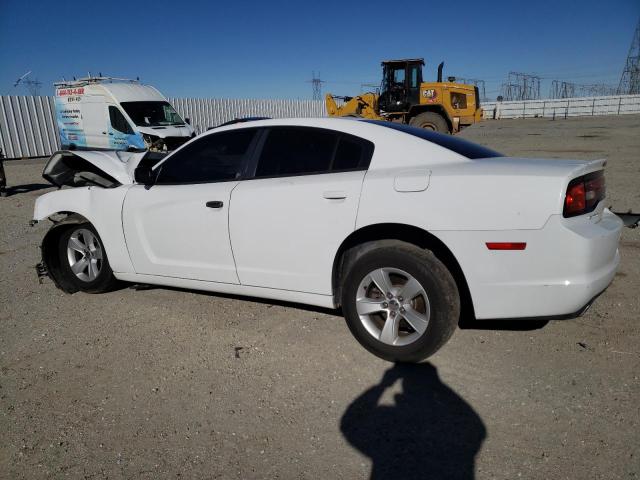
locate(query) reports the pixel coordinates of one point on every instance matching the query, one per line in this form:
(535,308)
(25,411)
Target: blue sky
(268,49)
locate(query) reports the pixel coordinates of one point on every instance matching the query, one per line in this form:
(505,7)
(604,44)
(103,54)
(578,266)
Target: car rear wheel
(400,302)
(83,259)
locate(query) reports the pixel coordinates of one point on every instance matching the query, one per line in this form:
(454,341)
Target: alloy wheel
(84,254)
(393,306)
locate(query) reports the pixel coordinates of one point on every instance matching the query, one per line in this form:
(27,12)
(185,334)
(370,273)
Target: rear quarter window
(455,144)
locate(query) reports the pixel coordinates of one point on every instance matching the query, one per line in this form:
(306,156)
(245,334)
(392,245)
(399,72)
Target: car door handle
(214,204)
(334,195)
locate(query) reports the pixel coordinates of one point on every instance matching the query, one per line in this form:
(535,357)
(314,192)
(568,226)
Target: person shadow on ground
(430,433)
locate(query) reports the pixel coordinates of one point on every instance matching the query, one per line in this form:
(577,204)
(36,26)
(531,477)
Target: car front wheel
(400,302)
(83,259)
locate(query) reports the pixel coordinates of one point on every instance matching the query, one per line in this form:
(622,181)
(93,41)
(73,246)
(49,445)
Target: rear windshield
(455,144)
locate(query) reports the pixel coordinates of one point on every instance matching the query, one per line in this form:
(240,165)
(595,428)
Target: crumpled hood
(65,166)
(168,131)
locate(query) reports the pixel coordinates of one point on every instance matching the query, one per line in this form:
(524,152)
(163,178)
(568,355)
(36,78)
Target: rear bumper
(565,266)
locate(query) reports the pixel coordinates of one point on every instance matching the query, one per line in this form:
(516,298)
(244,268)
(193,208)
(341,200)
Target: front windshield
(152,114)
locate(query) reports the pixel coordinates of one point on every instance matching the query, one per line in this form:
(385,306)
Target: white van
(104,113)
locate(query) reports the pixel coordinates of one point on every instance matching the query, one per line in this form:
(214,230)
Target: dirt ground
(163,383)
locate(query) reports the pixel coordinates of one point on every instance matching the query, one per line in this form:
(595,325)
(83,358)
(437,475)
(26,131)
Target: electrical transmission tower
(561,89)
(521,86)
(316,85)
(32,85)
(476,82)
(596,90)
(630,79)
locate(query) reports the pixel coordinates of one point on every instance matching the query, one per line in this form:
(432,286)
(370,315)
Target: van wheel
(430,121)
(400,302)
(83,260)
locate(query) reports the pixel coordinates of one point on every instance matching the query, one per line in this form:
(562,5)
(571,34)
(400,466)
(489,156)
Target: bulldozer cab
(401,81)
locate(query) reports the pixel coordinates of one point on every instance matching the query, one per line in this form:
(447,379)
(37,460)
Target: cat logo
(430,94)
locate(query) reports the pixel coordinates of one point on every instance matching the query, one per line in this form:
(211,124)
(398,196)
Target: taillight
(583,194)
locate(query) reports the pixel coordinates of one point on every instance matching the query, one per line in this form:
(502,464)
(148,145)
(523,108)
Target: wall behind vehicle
(28,124)
(563,107)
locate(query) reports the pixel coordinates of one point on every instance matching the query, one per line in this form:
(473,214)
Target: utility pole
(630,79)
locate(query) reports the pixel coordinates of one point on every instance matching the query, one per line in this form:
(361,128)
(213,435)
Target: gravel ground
(164,383)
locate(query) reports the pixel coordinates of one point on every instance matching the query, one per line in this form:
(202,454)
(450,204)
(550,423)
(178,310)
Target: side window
(118,121)
(459,100)
(352,153)
(296,151)
(212,158)
(398,76)
(414,77)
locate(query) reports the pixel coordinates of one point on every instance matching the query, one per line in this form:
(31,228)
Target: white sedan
(398,226)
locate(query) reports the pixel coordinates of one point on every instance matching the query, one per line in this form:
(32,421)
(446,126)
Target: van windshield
(152,114)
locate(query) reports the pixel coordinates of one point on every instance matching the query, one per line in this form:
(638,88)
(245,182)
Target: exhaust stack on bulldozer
(445,107)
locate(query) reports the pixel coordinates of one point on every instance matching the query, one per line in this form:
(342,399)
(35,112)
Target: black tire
(431,121)
(104,281)
(435,280)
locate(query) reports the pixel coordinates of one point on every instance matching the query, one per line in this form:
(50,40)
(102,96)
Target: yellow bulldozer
(445,107)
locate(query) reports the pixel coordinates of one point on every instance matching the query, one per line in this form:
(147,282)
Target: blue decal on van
(123,141)
(69,120)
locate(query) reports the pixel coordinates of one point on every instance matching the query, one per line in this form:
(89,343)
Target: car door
(179,226)
(288,221)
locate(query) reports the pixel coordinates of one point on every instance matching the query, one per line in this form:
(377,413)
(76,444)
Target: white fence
(28,124)
(563,108)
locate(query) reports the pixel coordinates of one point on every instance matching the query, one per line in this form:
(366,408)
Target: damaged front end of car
(90,186)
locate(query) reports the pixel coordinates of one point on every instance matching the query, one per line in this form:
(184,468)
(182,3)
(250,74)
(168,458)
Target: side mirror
(188,120)
(144,175)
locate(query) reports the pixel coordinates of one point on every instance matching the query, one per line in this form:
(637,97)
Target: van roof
(121,89)
(132,92)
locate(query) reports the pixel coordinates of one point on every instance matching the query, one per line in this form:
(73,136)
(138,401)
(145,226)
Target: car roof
(393,148)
